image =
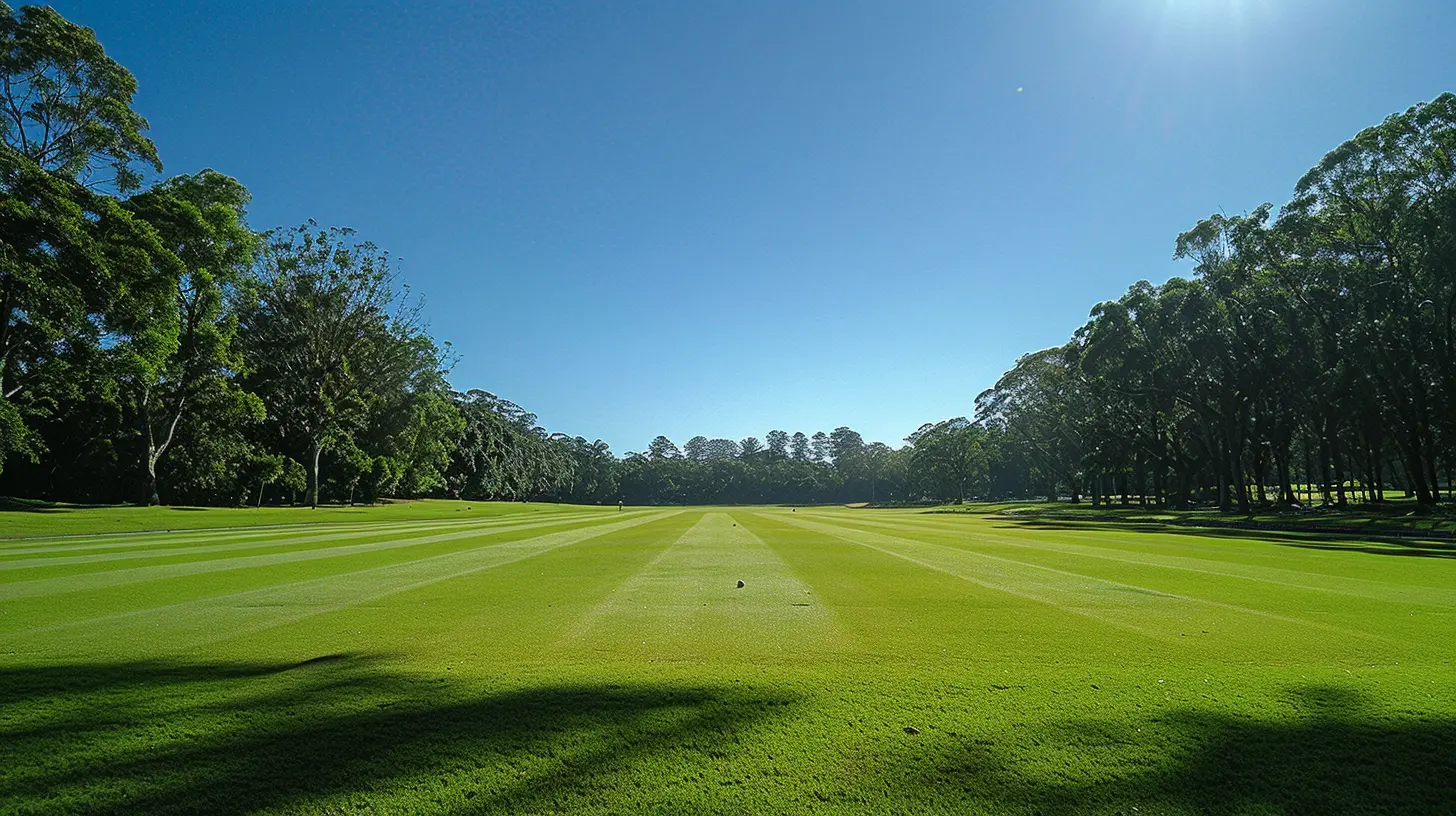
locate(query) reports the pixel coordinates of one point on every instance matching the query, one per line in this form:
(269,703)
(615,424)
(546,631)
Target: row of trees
(1311,356)
(504,454)
(153,347)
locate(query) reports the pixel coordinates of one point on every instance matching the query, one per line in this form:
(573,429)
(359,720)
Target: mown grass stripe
(95,580)
(1072,592)
(205,620)
(686,597)
(1375,589)
(171,551)
(1252,547)
(147,540)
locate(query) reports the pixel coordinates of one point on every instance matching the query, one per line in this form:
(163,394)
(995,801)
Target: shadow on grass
(14,505)
(1412,546)
(345,733)
(236,738)
(1333,756)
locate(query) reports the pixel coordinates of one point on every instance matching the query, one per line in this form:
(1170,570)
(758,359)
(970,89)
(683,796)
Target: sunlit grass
(21,519)
(538,659)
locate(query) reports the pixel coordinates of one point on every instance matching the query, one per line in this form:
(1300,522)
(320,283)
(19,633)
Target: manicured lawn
(536,658)
(20,519)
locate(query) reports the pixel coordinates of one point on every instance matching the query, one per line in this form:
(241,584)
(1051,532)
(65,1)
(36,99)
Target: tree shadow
(237,738)
(347,733)
(1408,546)
(1333,755)
(13,505)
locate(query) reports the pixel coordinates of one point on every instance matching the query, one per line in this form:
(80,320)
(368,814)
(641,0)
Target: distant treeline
(155,348)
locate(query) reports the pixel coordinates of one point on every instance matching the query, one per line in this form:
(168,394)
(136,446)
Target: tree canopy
(155,348)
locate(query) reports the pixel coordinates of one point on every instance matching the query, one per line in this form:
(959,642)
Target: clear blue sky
(723,218)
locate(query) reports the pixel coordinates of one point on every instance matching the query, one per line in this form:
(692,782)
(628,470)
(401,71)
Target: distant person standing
(619,505)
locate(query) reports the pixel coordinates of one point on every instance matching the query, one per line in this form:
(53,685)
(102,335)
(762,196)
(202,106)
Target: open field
(536,658)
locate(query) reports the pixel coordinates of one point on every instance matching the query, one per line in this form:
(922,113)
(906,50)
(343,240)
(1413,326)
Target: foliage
(1310,356)
(65,106)
(154,348)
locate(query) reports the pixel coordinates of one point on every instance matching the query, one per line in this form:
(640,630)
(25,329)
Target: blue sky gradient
(723,218)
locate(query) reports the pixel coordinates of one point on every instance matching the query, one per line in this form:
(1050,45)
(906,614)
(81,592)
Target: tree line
(155,348)
(1310,358)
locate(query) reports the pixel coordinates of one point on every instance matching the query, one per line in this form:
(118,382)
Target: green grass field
(536,658)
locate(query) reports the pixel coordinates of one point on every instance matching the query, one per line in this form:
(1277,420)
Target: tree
(65,105)
(799,447)
(722,450)
(696,448)
(186,346)
(778,446)
(663,448)
(1040,405)
(217,455)
(504,454)
(879,461)
(67,251)
(79,274)
(750,448)
(421,428)
(594,474)
(819,447)
(319,335)
(846,448)
(948,459)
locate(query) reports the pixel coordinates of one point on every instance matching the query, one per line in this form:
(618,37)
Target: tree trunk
(149,487)
(1378,457)
(1435,480)
(1281,467)
(1337,459)
(1140,477)
(6,306)
(154,449)
(1224,475)
(1261,473)
(312,497)
(1309,475)
(1160,481)
(1184,496)
(1325,480)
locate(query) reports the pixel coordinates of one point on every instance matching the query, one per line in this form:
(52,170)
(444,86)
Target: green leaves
(65,105)
(340,355)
